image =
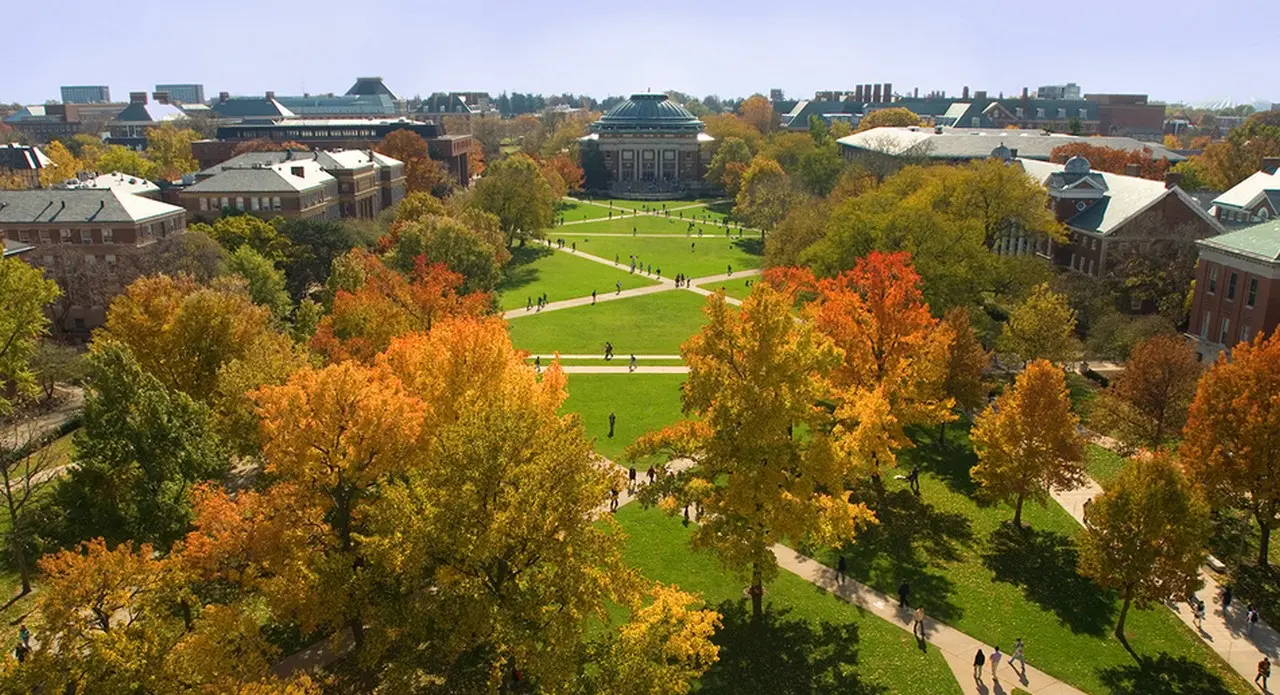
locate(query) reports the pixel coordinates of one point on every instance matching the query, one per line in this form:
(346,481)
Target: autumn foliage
(1113,160)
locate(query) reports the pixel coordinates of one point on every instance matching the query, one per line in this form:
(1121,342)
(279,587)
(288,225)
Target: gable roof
(329,160)
(1261,242)
(138,112)
(115,180)
(1246,192)
(23,157)
(72,206)
(251,107)
(264,177)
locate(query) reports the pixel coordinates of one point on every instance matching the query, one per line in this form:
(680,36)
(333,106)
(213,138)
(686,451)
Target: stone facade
(650,147)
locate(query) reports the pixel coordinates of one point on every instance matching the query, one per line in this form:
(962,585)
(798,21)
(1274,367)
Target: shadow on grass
(520,271)
(1043,563)
(781,655)
(1162,675)
(754,247)
(913,535)
(951,463)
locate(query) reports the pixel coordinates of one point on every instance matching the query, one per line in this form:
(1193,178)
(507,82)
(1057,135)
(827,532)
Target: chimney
(1271,164)
(1133,169)
(160,97)
(223,96)
(1013,153)
(271,95)
(866,92)
(858,95)
(137,97)
(915,93)
(1172,178)
(300,172)
(979,95)
(888,92)
(875,93)
(1025,96)
(965,94)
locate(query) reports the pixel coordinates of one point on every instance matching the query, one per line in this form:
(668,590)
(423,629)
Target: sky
(1173,50)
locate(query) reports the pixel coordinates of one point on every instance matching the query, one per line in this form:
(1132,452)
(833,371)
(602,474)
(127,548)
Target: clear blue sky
(1174,50)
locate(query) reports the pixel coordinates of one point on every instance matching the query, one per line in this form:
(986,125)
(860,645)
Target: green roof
(648,113)
(1261,241)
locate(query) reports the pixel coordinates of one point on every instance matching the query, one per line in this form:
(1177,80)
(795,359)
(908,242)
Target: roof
(79,205)
(117,181)
(366,86)
(265,178)
(329,160)
(1246,192)
(251,107)
(798,117)
(350,104)
(977,143)
(23,157)
(1261,242)
(1121,199)
(648,112)
(138,112)
(13,248)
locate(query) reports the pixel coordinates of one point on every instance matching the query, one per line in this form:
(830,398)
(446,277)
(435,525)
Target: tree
(169,148)
(1042,326)
(754,377)
(896,117)
(315,244)
(1225,163)
(141,449)
(566,169)
(765,195)
(386,304)
(517,192)
(22,322)
(53,364)
(466,251)
(803,227)
(967,362)
(265,281)
(65,165)
(1231,443)
(1146,534)
(26,464)
(235,231)
(126,161)
(1003,198)
(757,111)
(727,125)
(729,164)
(1113,159)
(420,171)
(1027,443)
(1147,403)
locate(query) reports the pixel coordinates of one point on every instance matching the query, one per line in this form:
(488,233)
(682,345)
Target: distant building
(368,182)
(183,93)
(45,122)
(463,104)
(116,181)
(1069,92)
(23,163)
(962,144)
(86,94)
(1129,114)
(1254,200)
(131,126)
(1237,288)
(648,146)
(295,189)
(93,242)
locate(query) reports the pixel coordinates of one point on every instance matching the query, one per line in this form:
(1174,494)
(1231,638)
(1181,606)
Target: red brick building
(1237,291)
(1129,114)
(1254,200)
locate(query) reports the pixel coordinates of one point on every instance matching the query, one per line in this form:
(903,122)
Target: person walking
(1084,512)
(1264,672)
(840,568)
(612,419)
(613,500)
(979,660)
(618,285)
(1017,654)
(918,624)
(913,480)
(575,247)
(631,475)
(537,364)
(593,297)
(1252,617)
(651,473)
(24,634)
(730,267)
(904,592)
(995,663)
(1226,599)
(1197,616)
(608,350)
(632,366)
(529,305)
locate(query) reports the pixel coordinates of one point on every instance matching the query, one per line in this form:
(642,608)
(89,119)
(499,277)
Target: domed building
(646,147)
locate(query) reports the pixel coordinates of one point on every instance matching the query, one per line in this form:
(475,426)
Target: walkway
(599,356)
(1225,633)
(600,369)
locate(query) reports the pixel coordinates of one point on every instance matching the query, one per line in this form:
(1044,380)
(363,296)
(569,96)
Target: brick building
(1129,114)
(294,189)
(368,182)
(45,122)
(1237,291)
(1254,200)
(93,242)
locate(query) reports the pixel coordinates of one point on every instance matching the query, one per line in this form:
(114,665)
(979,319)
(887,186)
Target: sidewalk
(597,369)
(586,301)
(599,356)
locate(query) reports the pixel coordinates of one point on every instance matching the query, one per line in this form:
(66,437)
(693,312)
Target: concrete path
(1226,633)
(597,369)
(586,301)
(600,356)
(957,647)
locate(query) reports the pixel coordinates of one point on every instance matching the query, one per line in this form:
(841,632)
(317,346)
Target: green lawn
(693,257)
(807,642)
(974,572)
(573,210)
(537,269)
(649,224)
(1102,464)
(1082,391)
(651,324)
(641,402)
(736,288)
(619,362)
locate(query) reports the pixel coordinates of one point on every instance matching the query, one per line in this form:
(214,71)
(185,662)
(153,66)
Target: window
(22,236)
(1226,328)
(110,259)
(44,236)
(1091,267)
(1231,287)
(275,202)
(1204,327)
(1062,113)
(1244,334)
(1040,113)
(204,204)
(226,203)
(1017,111)
(1213,279)
(1084,114)
(975,122)
(107,236)
(240,203)
(1253,293)
(66,236)
(253,203)
(1135,304)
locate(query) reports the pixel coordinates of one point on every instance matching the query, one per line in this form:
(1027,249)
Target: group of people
(651,474)
(682,280)
(542,301)
(980,659)
(560,243)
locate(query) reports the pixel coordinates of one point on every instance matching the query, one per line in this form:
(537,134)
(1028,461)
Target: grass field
(619,362)
(1103,465)
(641,402)
(573,211)
(712,256)
(649,224)
(807,642)
(652,324)
(736,288)
(537,269)
(974,572)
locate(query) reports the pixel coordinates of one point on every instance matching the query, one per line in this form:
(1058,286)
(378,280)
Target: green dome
(648,112)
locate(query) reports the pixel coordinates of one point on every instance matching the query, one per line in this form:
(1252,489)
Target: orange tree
(1147,404)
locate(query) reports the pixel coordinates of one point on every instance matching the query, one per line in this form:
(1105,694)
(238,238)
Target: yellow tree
(169,147)
(896,116)
(765,194)
(729,163)
(1147,403)
(1042,326)
(65,165)
(23,320)
(755,377)
(1231,443)
(1146,536)
(1027,441)
(757,111)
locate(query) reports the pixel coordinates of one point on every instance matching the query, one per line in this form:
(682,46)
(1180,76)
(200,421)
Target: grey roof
(977,143)
(74,206)
(124,183)
(13,248)
(366,86)
(23,157)
(798,117)
(1261,241)
(138,112)
(265,178)
(1245,192)
(251,107)
(329,105)
(329,160)
(648,112)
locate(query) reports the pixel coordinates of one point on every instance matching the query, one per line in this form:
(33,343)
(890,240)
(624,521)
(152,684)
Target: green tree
(1146,535)
(126,161)
(729,163)
(446,240)
(266,281)
(896,117)
(766,194)
(26,293)
(315,244)
(516,191)
(1042,326)
(235,231)
(141,450)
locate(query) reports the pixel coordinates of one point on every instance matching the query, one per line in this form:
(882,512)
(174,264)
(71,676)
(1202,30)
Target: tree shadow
(781,655)
(950,463)
(1162,675)
(754,247)
(1044,563)
(520,271)
(913,536)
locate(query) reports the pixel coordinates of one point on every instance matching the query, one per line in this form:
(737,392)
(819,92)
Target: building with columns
(647,147)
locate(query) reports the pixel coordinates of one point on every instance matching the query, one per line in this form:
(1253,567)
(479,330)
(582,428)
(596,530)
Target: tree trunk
(757,592)
(942,435)
(23,570)
(1124,612)
(356,624)
(1263,542)
(1017,513)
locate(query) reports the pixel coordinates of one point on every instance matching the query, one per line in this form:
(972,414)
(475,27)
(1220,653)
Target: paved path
(600,356)
(1227,634)
(598,369)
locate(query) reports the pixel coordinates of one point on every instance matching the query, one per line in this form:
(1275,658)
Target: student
(1252,617)
(608,350)
(593,297)
(631,475)
(651,473)
(618,285)
(1264,672)
(1226,598)
(918,624)
(529,305)
(904,592)
(913,479)
(1017,654)
(613,500)
(995,662)
(840,568)
(612,419)
(979,660)
(537,363)
(632,366)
